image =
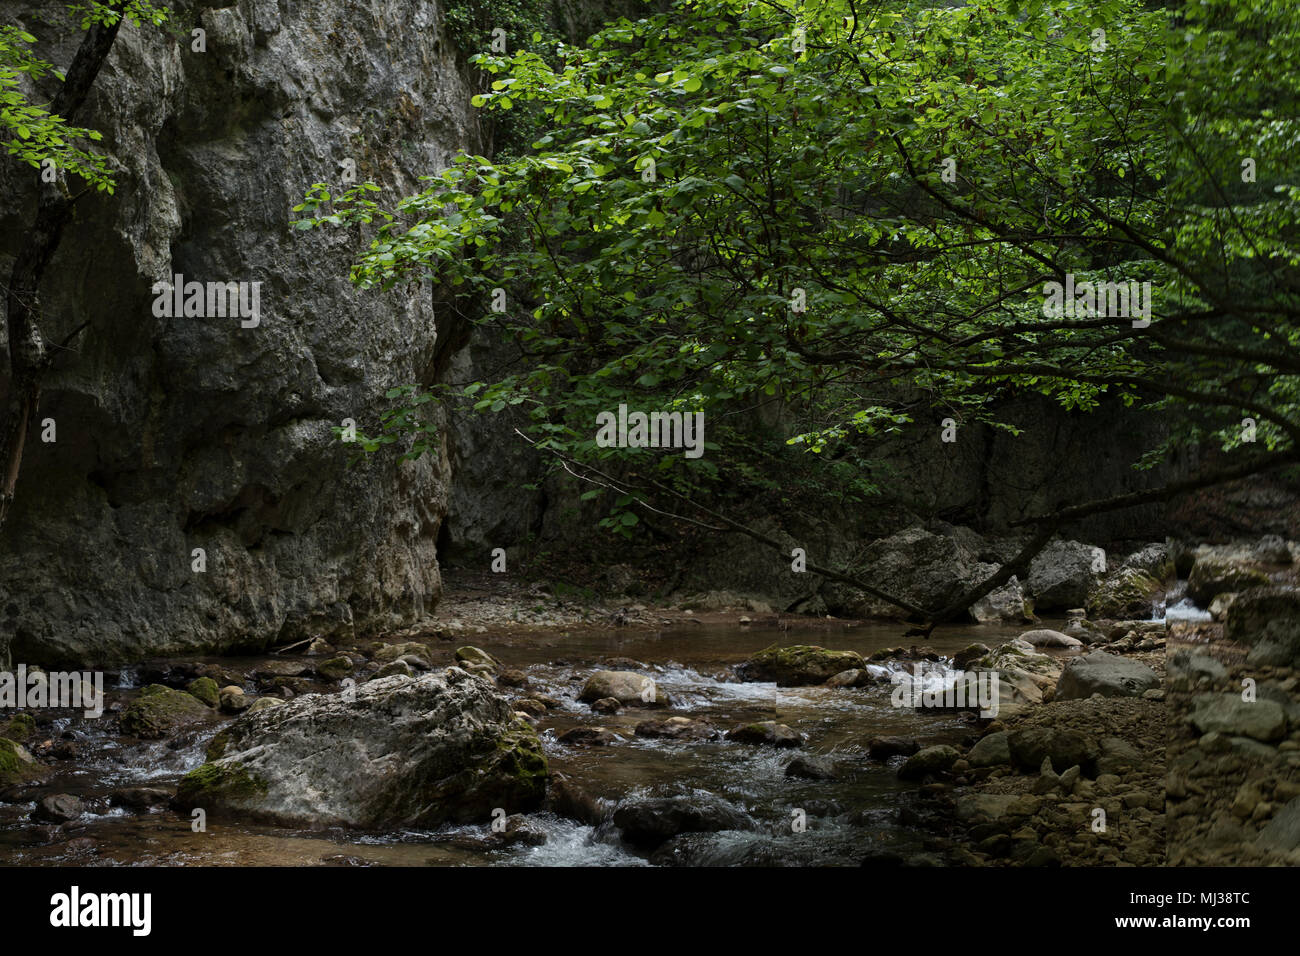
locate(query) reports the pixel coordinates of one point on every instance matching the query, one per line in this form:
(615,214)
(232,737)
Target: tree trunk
(29,357)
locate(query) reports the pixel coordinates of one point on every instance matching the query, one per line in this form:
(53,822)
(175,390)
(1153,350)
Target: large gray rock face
(182,433)
(407,751)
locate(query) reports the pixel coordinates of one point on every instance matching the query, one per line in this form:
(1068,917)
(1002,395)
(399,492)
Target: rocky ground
(1116,742)
(1234,762)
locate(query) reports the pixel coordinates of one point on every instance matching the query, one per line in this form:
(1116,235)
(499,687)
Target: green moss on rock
(20,727)
(214,784)
(217,746)
(521,758)
(1128,594)
(206,690)
(798,665)
(16,765)
(160,711)
(336,668)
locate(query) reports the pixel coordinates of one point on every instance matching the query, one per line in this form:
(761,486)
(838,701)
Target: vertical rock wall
(182,433)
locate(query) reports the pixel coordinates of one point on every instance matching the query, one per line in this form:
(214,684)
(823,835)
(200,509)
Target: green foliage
(733,205)
(33,134)
(408,421)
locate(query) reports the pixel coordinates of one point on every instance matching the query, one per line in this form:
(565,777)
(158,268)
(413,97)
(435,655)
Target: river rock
(676,728)
(1126,593)
(883,748)
(588,737)
(969,654)
(1062,575)
(627,687)
(405,752)
(1105,674)
(648,822)
(1007,604)
(984,807)
(567,799)
(17,764)
(799,665)
(1155,559)
(606,705)
(1024,673)
(161,711)
(1117,755)
(1212,575)
(57,808)
(854,677)
(470,656)
(1045,637)
(1267,620)
(1260,719)
(1030,746)
(392,652)
(234,700)
(766,732)
(991,750)
(810,767)
(930,760)
(335,668)
(926,569)
(140,798)
(1196,665)
(206,690)
(529,706)
(398,668)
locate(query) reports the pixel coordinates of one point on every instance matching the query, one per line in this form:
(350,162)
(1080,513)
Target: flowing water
(845,819)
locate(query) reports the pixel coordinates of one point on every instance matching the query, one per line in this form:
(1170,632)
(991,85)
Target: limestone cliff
(174,434)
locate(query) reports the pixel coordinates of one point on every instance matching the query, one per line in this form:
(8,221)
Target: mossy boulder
(161,711)
(1128,593)
(336,668)
(404,751)
(798,665)
(16,764)
(206,690)
(1212,575)
(19,727)
(218,784)
(473,657)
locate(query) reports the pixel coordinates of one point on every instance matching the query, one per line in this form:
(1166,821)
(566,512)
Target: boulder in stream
(627,687)
(161,711)
(799,665)
(403,752)
(648,822)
